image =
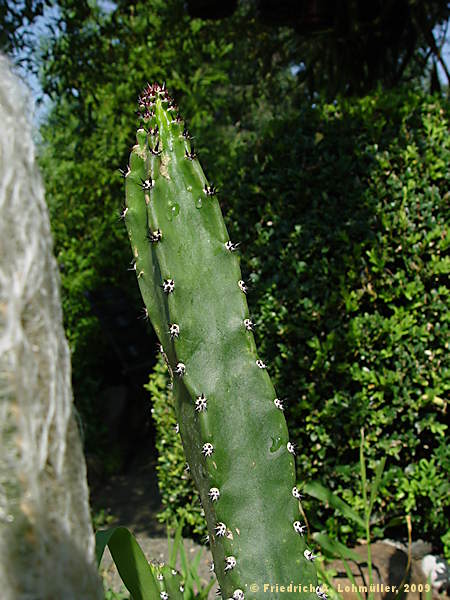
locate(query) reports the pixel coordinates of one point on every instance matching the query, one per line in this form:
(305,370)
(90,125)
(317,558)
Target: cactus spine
(232,425)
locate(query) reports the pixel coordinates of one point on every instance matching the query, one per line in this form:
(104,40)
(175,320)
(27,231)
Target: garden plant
(230,419)
(344,205)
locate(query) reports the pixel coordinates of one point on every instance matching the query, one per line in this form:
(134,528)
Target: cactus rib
(235,439)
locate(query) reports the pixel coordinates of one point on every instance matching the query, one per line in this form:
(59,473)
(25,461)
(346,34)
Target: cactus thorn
(176,428)
(279,404)
(210,190)
(160,577)
(132,266)
(211,567)
(261,364)
(123,213)
(201,404)
(206,539)
(168,286)
(144,314)
(174,330)
(299,528)
(155,236)
(207,449)
(231,247)
(180,369)
(220,529)
(190,155)
(181,588)
(309,555)
(164,596)
(296,493)
(230,563)
(156,151)
(124,172)
(291,448)
(238,595)
(147,184)
(320,593)
(242,286)
(248,324)
(214,494)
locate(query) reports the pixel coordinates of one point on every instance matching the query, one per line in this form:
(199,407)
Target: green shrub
(340,208)
(179,498)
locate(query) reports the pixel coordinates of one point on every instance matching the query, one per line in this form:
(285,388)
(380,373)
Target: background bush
(341,209)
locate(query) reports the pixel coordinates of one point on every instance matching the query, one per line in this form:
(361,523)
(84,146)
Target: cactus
(231,422)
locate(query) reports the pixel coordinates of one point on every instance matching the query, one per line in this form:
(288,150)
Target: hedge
(341,210)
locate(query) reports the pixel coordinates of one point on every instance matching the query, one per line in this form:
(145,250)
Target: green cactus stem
(232,424)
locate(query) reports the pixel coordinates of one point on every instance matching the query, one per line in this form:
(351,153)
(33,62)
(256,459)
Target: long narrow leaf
(362,463)
(352,579)
(376,482)
(130,561)
(317,490)
(335,548)
(176,542)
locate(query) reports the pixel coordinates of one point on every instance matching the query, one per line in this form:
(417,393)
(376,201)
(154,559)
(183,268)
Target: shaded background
(323,124)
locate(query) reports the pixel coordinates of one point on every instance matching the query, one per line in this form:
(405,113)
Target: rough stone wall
(46,538)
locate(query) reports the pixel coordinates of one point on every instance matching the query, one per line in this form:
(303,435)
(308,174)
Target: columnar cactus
(231,422)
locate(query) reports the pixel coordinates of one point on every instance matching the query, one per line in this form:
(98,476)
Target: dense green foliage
(344,235)
(179,497)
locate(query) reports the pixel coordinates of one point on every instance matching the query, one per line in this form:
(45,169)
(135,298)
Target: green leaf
(376,482)
(130,561)
(335,548)
(317,490)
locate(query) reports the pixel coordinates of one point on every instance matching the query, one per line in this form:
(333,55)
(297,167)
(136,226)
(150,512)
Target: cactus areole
(233,431)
